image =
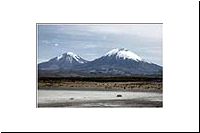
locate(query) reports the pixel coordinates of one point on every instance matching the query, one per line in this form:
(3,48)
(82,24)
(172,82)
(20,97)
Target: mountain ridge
(117,62)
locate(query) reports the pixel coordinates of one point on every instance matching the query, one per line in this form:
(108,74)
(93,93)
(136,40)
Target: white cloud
(56,44)
(143,30)
(90,46)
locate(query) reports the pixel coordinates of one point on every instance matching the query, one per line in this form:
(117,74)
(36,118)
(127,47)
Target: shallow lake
(79,98)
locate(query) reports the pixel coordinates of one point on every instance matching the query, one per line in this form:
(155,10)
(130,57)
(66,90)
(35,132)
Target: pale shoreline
(87,98)
(103,89)
(124,103)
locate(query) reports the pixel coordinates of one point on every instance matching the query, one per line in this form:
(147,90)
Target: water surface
(79,98)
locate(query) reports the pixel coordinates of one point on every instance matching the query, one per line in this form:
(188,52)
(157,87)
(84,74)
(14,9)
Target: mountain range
(117,62)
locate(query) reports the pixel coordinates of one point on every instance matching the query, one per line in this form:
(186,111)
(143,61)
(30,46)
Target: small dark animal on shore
(119,95)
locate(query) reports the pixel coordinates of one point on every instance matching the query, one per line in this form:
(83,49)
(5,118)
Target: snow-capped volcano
(123,53)
(64,61)
(117,62)
(120,62)
(71,57)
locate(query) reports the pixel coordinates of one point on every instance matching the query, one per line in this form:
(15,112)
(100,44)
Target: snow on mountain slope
(123,53)
(117,62)
(65,61)
(70,56)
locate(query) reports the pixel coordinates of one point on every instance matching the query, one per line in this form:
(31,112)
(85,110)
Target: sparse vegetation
(103,83)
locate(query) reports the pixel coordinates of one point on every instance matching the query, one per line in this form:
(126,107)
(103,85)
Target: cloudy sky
(91,41)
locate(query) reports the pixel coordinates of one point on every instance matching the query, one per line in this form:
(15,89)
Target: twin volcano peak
(117,62)
(123,54)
